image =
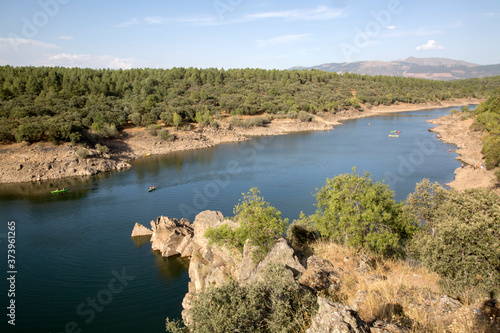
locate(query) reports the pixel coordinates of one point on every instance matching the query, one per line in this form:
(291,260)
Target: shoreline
(22,162)
(472,173)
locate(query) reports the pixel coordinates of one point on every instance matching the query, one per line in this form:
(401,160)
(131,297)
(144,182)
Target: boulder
(281,253)
(320,275)
(140,230)
(172,237)
(338,318)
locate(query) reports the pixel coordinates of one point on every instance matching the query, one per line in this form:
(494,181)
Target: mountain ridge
(426,68)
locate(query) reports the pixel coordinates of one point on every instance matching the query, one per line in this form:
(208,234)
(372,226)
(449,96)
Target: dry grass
(396,292)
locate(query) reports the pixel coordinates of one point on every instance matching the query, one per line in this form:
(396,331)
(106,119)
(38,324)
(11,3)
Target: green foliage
(463,244)
(301,235)
(250,122)
(359,212)
(63,104)
(305,117)
(488,120)
(82,152)
(164,134)
(101,148)
(153,129)
(422,204)
(259,222)
(273,304)
(176,120)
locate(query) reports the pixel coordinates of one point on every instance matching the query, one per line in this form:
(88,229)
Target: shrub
(153,129)
(357,211)
(305,117)
(463,245)
(259,222)
(82,152)
(273,304)
(101,148)
(301,234)
(293,114)
(164,134)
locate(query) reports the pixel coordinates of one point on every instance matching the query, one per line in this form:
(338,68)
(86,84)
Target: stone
(140,230)
(335,317)
(172,237)
(380,326)
(320,275)
(365,264)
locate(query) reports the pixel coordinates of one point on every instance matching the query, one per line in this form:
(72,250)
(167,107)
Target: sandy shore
(472,173)
(21,162)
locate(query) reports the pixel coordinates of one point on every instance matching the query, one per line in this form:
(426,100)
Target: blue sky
(243,33)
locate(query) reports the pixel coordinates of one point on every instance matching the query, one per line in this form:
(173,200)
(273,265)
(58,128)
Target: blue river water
(77,268)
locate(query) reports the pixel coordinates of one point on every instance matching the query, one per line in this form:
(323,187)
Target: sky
(244,34)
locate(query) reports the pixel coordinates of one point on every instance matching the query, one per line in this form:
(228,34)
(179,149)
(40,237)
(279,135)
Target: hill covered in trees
(72,104)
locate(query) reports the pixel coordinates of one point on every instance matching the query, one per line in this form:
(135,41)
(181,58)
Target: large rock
(281,253)
(172,237)
(320,275)
(336,318)
(140,230)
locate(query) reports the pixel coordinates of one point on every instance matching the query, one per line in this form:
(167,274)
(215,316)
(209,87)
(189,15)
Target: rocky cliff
(212,265)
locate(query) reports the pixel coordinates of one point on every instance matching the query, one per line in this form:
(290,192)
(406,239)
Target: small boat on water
(394,134)
(152,188)
(59,190)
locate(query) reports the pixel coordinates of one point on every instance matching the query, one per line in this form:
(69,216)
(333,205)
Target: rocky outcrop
(212,266)
(172,237)
(168,235)
(140,231)
(335,317)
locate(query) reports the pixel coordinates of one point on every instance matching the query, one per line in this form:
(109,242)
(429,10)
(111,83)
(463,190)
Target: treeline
(488,120)
(73,104)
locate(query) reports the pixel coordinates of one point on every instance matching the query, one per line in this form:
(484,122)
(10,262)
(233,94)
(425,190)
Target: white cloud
(282,39)
(154,20)
(320,13)
(65,37)
(391,27)
(16,43)
(430,45)
(24,52)
(91,61)
(133,21)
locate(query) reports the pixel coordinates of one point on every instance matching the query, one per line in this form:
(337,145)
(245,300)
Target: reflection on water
(40,191)
(139,241)
(171,267)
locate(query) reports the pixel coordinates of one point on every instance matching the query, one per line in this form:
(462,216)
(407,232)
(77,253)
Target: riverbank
(473,173)
(22,162)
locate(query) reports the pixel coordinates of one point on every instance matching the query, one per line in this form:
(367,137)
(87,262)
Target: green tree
(176,119)
(259,222)
(359,212)
(463,245)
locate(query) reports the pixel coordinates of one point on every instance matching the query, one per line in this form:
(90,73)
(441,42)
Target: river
(77,268)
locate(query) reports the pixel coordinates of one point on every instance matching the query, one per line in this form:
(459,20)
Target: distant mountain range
(425,68)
